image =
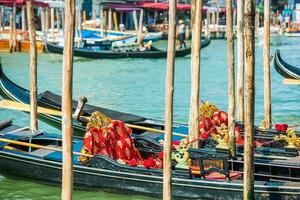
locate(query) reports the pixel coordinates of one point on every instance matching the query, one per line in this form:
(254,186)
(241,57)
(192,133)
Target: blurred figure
(144,29)
(181,33)
(122,27)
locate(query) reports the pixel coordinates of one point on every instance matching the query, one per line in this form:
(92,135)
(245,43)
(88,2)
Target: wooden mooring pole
(196,15)
(67,78)
(266,54)
(167,163)
(24,28)
(240,60)
(231,77)
(249,99)
(140,31)
(10,33)
(14,28)
(57,20)
(33,67)
(52,23)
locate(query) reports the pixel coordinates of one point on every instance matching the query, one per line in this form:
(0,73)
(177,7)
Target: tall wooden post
(116,21)
(47,19)
(240,60)
(10,33)
(101,20)
(63,20)
(84,19)
(167,168)
(140,32)
(77,42)
(135,22)
(218,17)
(42,19)
(1,18)
(67,78)
(249,99)
(109,19)
(52,23)
(14,28)
(57,20)
(196,15)
(24,19)
(231,76)
(266,54)
(206,27)
(80,21)
(33,66)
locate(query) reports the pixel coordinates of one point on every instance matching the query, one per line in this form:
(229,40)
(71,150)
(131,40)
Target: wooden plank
(37,146)
(167,162)
(248,192)
(195,71)
(267,73)
(33,66)
(291,81)
(7,104)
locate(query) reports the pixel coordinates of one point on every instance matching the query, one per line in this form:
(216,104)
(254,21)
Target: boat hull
(100,179)
(112,55)
(284,69)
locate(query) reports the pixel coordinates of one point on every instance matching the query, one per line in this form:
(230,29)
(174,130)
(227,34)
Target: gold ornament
(291,138)
(222,137)
(207,109)
(181,156)
(263,125)
(98,120)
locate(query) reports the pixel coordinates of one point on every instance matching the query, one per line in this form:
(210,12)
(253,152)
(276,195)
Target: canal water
(137,86)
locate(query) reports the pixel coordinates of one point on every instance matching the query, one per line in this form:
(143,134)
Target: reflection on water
(137,86)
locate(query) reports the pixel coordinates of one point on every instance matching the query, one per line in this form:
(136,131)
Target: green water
(137,86)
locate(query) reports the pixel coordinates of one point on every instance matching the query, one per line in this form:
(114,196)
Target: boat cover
(89,109)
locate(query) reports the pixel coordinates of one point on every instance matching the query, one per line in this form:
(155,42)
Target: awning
(164,6)
(11,3)
(123,7)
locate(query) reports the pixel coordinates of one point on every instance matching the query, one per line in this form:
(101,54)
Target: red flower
(284,127)
(281,127)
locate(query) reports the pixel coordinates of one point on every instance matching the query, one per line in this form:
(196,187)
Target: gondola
(110,54)
(284,69)
(105,173)
(11,91)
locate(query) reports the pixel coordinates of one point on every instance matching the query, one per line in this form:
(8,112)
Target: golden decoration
(207,109)
(181,156)
(222,137)
(83,159)
(291,138)
(98,120)
(263,125)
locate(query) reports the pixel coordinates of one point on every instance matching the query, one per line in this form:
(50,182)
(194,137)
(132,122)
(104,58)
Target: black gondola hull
(284,69)
(102,179)
(130,54)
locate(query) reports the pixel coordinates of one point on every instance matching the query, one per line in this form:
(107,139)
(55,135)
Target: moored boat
(102,172)
(119,53)
(284,69)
